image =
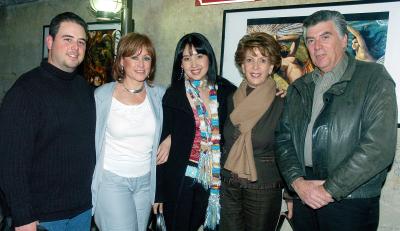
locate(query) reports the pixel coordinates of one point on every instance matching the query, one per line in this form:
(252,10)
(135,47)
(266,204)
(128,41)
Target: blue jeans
(80,222)
(123,204)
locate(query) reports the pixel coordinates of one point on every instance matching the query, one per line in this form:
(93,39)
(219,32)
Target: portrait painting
(367,34)
(372,36)
(99,59)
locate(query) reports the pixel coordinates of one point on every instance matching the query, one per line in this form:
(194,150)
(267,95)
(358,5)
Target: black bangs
(201,44)
(197,44)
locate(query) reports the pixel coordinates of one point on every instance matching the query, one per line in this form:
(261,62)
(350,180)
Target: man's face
(67,49)
(325,45)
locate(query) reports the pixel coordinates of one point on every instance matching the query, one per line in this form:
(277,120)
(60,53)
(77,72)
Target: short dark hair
(128,46)
(201,44)
(66,17)
(265,43)
(323,16)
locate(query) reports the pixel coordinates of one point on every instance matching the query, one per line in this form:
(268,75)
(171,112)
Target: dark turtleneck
(47,120)
(58,72)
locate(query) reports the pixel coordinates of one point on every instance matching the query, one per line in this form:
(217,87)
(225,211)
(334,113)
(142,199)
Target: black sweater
(47,125)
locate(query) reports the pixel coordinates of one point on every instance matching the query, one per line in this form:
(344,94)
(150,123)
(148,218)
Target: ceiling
(14,2)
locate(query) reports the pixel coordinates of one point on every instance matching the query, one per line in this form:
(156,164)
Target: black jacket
(354,136)
(179,122)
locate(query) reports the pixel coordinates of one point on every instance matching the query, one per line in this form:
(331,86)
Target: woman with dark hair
(194,111)
(128,129)
(251,191)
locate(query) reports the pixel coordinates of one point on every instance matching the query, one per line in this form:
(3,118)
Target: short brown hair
(129,45)
(265,43)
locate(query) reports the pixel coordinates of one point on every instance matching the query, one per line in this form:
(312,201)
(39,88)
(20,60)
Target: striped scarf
(210,154)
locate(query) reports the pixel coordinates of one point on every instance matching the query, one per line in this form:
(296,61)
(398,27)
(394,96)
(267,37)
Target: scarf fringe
(205,170)
(213,211)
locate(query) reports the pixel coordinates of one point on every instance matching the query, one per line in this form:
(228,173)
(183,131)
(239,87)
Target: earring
(120,79)
(181,75)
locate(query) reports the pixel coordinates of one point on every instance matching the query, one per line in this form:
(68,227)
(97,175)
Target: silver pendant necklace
(133,91)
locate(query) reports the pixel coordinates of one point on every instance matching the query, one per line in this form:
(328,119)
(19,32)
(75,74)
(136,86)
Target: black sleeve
(18,124)
(166,130)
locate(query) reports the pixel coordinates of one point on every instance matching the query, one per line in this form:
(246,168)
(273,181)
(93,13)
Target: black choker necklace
(133,91)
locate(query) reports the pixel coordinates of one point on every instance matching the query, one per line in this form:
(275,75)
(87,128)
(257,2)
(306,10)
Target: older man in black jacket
(337,136)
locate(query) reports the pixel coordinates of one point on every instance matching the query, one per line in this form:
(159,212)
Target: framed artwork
(45,52)
(101,47)
(372,35)
(213,2)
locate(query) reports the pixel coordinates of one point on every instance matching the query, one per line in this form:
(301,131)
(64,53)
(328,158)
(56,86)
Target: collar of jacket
(337,89)
(175,97)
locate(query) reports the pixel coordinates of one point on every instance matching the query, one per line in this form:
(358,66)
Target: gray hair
(323,16)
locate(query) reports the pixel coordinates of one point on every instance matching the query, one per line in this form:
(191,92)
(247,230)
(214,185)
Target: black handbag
(160,222)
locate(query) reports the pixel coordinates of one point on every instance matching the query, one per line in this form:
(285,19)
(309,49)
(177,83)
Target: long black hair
(202,46)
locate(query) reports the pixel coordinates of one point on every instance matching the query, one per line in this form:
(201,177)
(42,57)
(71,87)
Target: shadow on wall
(6,81)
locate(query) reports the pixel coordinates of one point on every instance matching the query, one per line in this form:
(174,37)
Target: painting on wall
(100,51)
(214,2)
(372,36)
(366,40)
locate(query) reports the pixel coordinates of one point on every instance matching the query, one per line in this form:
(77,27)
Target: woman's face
(137,67)
(194,65)
(256,67)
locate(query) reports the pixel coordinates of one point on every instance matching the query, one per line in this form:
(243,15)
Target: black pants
(344,215)
(189,212)
(249,209)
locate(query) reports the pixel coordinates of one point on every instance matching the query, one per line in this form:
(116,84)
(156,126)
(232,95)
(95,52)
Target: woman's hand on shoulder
(282,93)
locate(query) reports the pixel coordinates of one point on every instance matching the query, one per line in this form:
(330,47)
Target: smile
(73,55)
(255,75)
(195,72)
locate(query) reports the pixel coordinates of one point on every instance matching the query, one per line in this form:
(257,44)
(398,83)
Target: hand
(158,208)
(27,227)
(289,205)
(282,93)
(312,192)
(163,150)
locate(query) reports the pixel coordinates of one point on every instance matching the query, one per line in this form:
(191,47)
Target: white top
(129,139)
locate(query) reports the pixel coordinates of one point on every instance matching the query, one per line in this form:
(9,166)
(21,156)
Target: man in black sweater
(47,124)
